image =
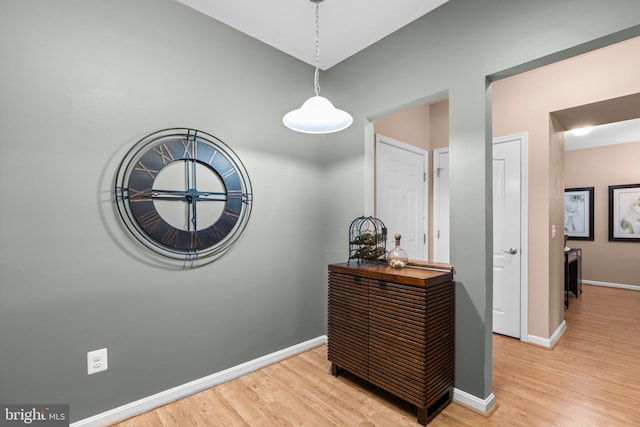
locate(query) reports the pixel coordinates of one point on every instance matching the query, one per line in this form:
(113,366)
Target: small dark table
(572,273)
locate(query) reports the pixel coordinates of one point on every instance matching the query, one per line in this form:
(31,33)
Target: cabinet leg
(422,416)
(427,413)
(335,369)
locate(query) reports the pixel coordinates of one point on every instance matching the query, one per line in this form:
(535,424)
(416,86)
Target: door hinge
(424,177)
(425,238)
(438,172)
(438,234)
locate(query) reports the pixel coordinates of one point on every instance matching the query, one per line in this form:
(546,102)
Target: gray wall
(81,81)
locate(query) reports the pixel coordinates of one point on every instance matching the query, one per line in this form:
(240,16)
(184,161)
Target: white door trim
(369,169)
(425,188)
(436,209)
(524,230)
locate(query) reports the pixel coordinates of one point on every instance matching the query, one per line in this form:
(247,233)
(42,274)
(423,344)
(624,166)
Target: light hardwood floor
(590,378)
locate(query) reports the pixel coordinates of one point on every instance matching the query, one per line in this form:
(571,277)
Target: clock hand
(189,195)
(192,212)
(212,197)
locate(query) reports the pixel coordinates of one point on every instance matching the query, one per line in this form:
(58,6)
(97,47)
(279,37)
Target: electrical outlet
(97,361)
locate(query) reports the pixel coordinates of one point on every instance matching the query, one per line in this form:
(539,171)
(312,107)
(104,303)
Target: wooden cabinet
(395,329)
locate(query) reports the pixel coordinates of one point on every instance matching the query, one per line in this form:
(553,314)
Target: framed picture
(624,212)
(578,213)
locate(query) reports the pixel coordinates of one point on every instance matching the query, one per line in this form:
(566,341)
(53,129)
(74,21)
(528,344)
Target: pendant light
(317,114)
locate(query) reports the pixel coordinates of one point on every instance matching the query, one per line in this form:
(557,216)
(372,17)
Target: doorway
(510,289)
(510,241)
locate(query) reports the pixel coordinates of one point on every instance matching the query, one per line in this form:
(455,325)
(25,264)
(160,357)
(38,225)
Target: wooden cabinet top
(408,275)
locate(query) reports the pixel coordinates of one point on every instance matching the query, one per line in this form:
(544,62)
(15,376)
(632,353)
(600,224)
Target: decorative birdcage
(367,239)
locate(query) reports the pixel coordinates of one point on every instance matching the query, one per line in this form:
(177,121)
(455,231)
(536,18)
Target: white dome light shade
(317,115)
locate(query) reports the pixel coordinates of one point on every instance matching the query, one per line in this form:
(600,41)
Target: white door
(400,194)
(441,205)
(507,222)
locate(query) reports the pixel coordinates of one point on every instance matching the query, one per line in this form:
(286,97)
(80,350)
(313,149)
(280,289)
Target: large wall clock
(183,194)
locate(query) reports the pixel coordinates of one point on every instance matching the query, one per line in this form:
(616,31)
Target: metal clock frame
(135,195)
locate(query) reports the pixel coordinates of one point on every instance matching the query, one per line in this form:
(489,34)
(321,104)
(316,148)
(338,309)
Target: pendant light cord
(316,76)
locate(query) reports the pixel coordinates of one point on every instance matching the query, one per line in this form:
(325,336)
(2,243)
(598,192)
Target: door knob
(511,251)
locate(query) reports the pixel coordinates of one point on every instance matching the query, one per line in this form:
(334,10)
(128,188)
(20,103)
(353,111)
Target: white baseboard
(184,390)
(611,285)
(482,406)
(549,342)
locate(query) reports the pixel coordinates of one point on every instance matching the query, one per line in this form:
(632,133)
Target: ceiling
(615,121)
(606,134)
(349,26)
(346,26)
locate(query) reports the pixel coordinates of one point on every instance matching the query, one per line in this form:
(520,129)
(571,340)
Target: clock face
(183,194)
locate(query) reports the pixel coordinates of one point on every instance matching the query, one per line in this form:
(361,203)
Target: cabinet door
(397,340)
(348,323)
